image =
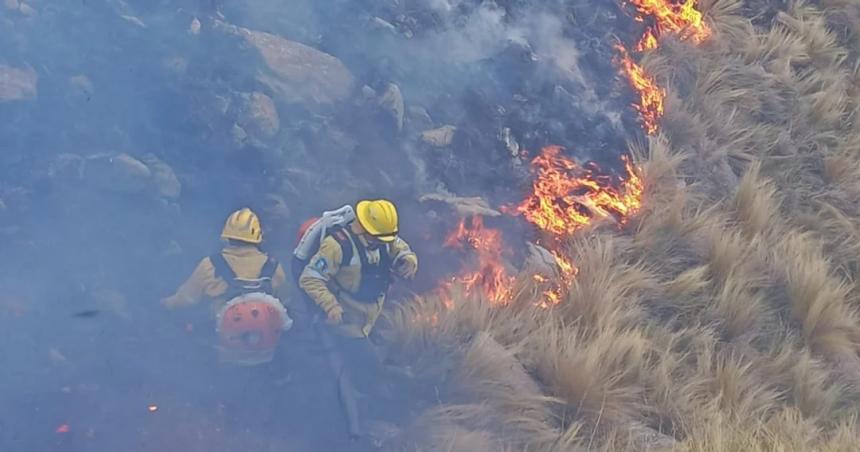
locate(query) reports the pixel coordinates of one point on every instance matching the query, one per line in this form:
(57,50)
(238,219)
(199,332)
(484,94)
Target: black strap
(342,236)
(224,271)
(222,268)
(375,278)
(269,268)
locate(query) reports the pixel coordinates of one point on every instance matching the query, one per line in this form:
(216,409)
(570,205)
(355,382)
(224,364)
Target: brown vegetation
(724,317)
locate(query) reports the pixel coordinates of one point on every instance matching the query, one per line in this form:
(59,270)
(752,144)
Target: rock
(392,102)
(440,137)
(17,84)
(258,116)
(26,10)
(164,180)
(295,72)
(176,65)
(510,142)
(377,23)
(464,207)
(118,173)
(540,260)
(240,137)
(643,437)
(57,358)
(133,20)
(194,27)
(81,88)
(368,92)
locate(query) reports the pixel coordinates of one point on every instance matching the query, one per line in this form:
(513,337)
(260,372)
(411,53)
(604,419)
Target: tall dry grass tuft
(597,375)
(723,316)
(755,203)
(817,300)
(604,293)
(808,384)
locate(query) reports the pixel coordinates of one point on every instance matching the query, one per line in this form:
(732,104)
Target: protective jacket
(345,273)
(246,261)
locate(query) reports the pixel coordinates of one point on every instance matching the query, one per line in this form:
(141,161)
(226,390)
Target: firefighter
(347,279)
(245,286)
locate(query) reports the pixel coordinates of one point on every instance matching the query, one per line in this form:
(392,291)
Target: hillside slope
(723,316)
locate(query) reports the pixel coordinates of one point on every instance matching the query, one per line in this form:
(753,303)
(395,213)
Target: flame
(651,95)
(487,273)
(685,21)
(63,428)
(566,196)
(648,41)
(152,408)
(556,290)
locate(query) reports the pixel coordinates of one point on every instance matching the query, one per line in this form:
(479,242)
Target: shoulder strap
(222,268)
(269,268)
(341,235)
(362,252)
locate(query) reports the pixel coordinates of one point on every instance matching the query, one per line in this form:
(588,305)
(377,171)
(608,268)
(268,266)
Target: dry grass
(724,316)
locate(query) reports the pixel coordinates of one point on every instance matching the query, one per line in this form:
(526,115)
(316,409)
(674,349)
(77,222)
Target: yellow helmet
(243,225)
(378,218)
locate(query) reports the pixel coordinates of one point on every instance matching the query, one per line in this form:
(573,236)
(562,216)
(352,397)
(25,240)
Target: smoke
(147,125)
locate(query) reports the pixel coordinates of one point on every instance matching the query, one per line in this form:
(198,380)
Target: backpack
(375,279)
(237,286)
(312,233)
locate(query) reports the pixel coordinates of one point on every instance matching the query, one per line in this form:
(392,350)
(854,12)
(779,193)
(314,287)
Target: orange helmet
(249,328)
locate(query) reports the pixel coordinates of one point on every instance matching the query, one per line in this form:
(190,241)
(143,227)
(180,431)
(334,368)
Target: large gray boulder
(17,84)
(294,72)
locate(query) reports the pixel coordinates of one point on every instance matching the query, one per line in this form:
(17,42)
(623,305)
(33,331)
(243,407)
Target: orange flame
(488,272)
(566,197)
(687,23)
(651,95)
(683,19)
(556,290)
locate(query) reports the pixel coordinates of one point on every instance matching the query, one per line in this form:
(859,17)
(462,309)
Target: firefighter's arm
(319,272)
(193,290)
(404,260)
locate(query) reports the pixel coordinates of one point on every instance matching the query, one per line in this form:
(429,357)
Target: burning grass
(723,316)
